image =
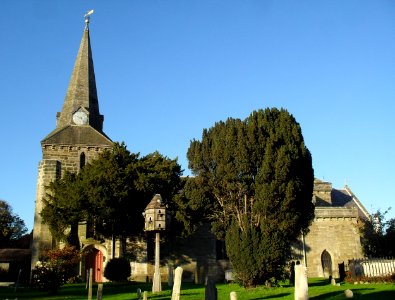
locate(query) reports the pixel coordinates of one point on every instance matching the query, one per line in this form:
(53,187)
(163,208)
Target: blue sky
(167,69)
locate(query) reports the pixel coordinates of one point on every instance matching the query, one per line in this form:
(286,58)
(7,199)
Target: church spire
(81,96)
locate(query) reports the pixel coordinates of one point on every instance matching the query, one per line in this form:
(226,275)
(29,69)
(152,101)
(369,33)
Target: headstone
(145,295)
(349,294)
(301,286)
(177,284)
(333,281)
(233,296)
(211,290)
(90,284)
(139,294)
(292,273)
(99,291)
(170,278)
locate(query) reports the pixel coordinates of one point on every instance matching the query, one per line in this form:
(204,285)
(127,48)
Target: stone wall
(48,170)
(334,231)
(57,159)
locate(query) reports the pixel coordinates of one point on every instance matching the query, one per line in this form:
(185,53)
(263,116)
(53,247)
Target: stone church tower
(77,138)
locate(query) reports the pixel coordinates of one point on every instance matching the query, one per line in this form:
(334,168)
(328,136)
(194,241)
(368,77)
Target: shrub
(56,268)
(117,269)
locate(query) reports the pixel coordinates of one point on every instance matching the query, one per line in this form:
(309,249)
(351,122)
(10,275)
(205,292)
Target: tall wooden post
(156,219)
(157,284)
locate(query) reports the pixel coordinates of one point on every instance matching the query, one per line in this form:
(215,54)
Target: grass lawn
(318,289)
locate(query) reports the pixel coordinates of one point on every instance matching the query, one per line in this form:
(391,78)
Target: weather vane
(87,17)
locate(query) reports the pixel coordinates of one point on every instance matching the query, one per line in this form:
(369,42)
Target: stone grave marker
(233,296)
(177,284)
(170,278)
(301,286)
(348,294)
(333,281)
(139,294)
(99,291)
(211,290)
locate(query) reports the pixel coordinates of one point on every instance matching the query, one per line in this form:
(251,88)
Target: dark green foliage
(117,269)
(12,227)
(110,194)
(254,182)
(378,236)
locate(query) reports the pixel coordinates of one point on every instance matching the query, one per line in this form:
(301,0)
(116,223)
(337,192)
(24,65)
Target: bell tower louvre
(77,138)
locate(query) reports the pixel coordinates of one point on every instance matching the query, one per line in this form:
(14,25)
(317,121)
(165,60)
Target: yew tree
(110,194)
(257,176)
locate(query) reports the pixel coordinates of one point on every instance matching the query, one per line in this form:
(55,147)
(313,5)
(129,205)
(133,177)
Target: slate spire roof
(81,92)
(81,96)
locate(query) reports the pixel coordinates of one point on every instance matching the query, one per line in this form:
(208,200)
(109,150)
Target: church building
(78,138)
(333,236)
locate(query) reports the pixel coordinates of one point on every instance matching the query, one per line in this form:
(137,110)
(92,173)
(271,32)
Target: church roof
(339,198)
(77,135)
(81,92)
(13,255)
(81,96)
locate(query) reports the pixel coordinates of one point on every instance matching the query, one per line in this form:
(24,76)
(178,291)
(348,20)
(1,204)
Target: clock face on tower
(80,118)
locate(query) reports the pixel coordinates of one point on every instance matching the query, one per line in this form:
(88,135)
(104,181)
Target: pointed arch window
(82,160)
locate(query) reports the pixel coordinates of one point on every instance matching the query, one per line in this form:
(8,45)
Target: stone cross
(301,286)
(177,284)
(211,290)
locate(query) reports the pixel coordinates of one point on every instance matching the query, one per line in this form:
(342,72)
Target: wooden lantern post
(156,219)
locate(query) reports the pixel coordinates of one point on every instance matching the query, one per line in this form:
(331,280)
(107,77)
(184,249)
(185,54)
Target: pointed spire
(81,93)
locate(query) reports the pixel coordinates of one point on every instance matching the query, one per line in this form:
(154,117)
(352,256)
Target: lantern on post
(156,219)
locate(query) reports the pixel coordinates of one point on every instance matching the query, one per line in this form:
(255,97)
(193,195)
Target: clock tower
(77,138)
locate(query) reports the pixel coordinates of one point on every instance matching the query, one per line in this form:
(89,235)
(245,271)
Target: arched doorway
(94,261)
(326,262)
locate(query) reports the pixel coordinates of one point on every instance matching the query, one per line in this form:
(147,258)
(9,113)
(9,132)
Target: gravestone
(171,275)
(333,281)
(90,284)
(233,296)
(99,291)
(301,286)
(177,284)
(139,294)
(348,294)
(211,290)
(145,295)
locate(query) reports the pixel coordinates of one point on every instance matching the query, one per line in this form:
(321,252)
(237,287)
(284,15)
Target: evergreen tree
(258,176)
(110,194)
(12,227)
(378,235)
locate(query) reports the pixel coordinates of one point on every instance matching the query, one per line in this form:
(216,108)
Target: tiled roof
(8,255)
(77,135)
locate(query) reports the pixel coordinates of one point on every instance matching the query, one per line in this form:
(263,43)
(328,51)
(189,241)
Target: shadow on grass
(330,295)
(319,282)
(363,294)
(382,295)
(274,296)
